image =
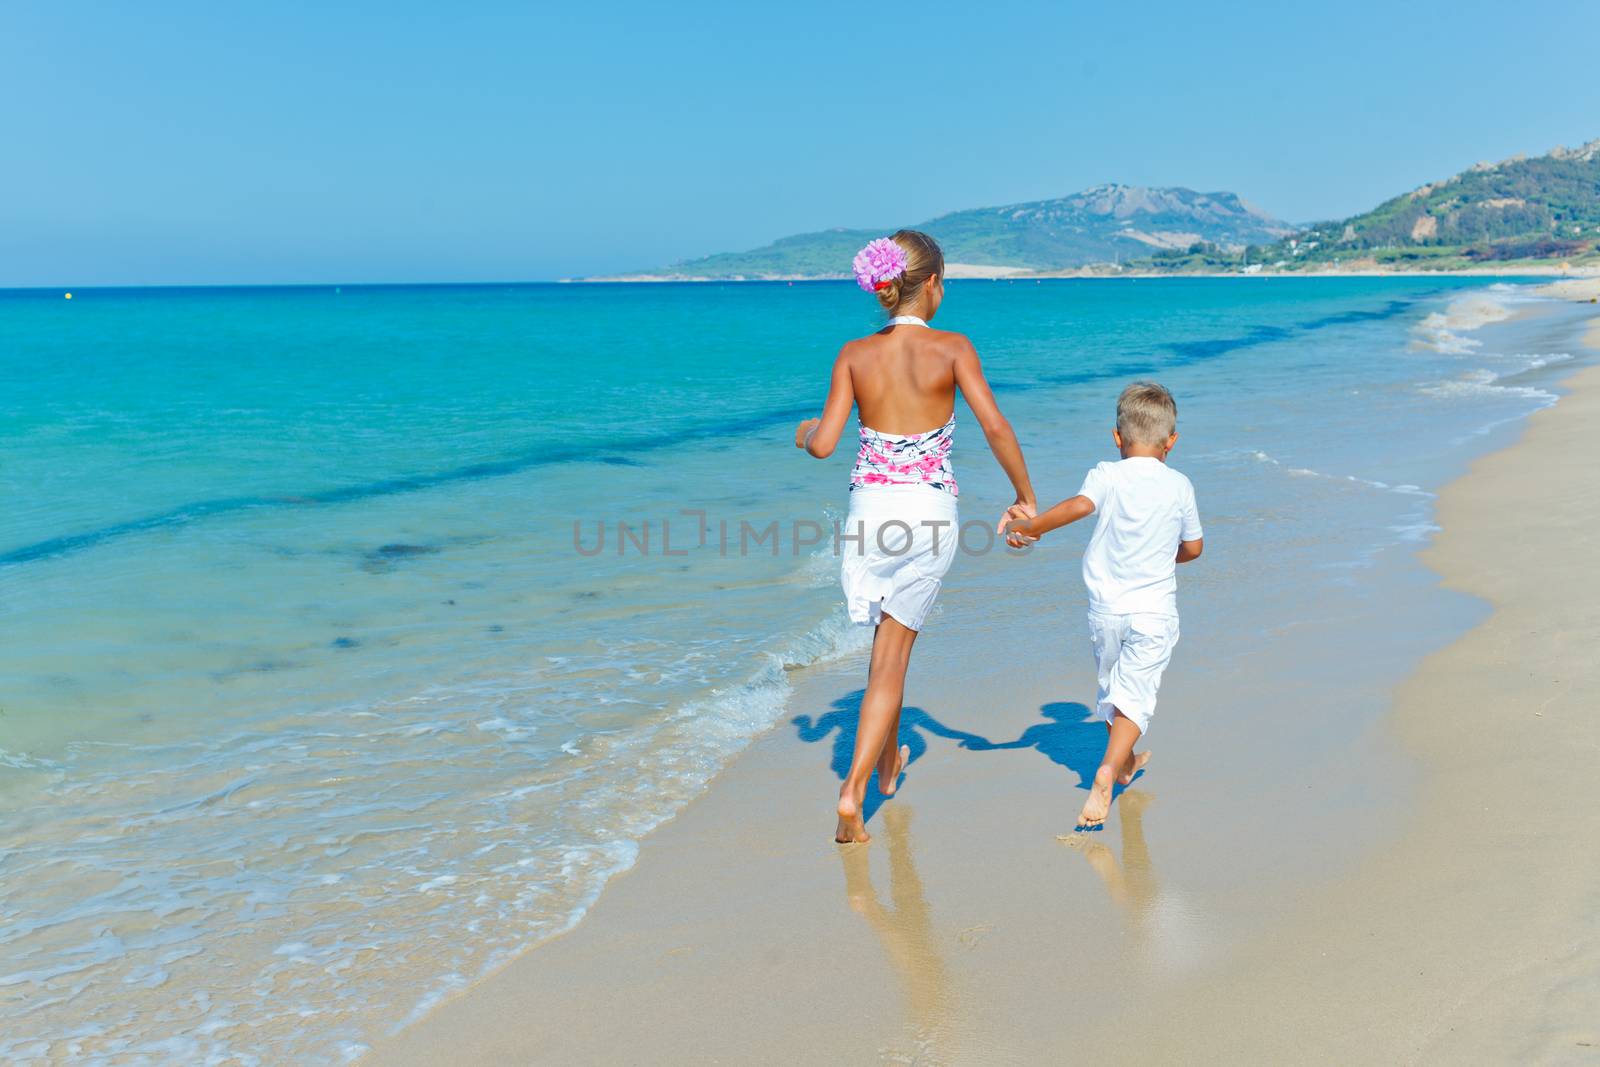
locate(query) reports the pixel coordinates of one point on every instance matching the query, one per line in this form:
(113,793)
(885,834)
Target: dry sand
(1583,290)
(1466,930)
(1476,937)
(982,270)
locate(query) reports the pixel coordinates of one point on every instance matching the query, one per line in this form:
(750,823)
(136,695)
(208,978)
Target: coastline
(979,272)
(725,943)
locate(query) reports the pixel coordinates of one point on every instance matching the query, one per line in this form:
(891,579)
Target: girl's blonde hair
(924,260)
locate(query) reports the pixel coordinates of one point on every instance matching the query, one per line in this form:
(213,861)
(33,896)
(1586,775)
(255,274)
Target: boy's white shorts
(1130,652)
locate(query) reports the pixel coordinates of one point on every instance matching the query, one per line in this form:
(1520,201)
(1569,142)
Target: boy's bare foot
(887,784)
(1139,760)
(1098,806)
(851,827)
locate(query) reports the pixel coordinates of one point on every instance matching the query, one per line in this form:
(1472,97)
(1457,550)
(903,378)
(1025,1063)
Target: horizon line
(573,280)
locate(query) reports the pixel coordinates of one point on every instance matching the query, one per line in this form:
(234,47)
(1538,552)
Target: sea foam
(1441,331)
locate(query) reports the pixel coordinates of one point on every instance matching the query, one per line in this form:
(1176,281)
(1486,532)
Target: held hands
(1010,524)
(803,432)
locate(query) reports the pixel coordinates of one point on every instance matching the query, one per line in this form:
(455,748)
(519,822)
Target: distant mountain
(1099,225)
(1546,207)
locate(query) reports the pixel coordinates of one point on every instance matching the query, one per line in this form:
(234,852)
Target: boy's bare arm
(1190,550)
(1063,514)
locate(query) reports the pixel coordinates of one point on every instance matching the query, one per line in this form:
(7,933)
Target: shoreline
(734,907)
(1473,937)
(972,272)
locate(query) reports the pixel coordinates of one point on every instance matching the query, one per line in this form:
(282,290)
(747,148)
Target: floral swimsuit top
(897,459)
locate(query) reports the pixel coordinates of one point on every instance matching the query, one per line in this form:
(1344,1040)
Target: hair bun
(895,268)
(888,294)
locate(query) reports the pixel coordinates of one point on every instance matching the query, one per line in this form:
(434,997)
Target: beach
(1423,893)
(446,461)
(400,699)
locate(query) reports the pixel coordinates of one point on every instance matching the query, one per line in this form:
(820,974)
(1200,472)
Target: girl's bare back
(904,378)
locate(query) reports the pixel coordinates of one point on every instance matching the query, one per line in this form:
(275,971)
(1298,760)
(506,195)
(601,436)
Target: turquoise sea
(351,638)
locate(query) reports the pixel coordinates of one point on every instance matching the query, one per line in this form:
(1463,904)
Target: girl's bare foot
(1098,806)
(1139,760)
(888,783)
(851,827)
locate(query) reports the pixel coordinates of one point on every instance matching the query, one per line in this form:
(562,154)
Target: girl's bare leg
(892,760)
(878,729)
(1118,762)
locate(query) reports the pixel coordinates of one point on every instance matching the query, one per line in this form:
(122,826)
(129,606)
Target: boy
(1148,524)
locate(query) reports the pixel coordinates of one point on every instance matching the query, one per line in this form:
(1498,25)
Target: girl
(901,534)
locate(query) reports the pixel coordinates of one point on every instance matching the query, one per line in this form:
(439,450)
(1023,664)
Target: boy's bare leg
(1134,764)
(877,731)
(1118,760)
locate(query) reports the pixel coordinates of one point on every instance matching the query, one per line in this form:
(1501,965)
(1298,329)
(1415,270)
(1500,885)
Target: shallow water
(316,703)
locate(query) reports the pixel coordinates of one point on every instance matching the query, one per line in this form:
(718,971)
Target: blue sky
(169,143)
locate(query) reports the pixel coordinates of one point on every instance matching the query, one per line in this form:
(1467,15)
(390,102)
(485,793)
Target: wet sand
(1427,893)
(1475,938)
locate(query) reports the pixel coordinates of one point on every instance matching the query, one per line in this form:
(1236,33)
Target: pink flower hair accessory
(878,264)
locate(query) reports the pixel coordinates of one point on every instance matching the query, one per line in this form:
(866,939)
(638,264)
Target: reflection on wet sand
(906,930)
(1132,881)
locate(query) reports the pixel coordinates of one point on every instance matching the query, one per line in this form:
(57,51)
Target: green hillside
(1519,211)
(1104,224)
(806,255)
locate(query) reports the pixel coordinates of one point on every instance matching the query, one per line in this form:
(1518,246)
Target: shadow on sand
(915,725)
(1069,739)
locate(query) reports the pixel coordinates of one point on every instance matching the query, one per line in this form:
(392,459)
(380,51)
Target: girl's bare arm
(820,436)
(1001,437)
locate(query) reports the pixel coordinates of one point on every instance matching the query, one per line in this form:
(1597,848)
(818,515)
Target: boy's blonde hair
(1146,414)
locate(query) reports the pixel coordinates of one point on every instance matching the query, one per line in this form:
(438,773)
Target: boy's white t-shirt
(1145,508)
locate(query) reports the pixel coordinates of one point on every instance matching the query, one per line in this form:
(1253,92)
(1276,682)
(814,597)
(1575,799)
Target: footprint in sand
(970,937)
